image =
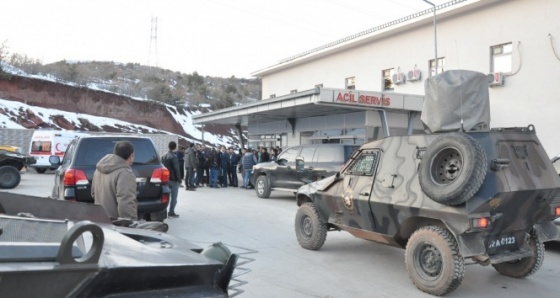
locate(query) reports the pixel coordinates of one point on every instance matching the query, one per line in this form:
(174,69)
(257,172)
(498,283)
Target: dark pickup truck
(321,160)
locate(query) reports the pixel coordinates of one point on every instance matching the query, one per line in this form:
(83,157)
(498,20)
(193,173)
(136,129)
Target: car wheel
(526,266)
(433,261)
(9,177)
(452,169)
(40,170)
(311,231)
(262,187)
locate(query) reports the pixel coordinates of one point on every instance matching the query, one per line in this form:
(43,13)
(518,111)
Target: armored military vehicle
(11,163)
(461,191)
(52,248)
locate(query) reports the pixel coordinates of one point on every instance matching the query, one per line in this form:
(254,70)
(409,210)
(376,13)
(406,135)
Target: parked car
(322,160)
(74,176)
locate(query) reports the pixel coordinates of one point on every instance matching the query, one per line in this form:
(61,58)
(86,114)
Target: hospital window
(351,83)
(388,79)
(440,66)
(501,58)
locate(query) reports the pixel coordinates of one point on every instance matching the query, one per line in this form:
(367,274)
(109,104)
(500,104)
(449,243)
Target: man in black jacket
(233,161)
(191,163)
(171,162)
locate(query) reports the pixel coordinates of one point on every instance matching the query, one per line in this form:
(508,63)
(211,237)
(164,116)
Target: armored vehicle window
(307,153)
(364,164)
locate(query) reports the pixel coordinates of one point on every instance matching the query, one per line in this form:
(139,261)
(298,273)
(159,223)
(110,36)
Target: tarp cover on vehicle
(453,96)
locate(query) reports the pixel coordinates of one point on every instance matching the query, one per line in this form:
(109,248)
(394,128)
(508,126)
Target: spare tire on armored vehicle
(452,169)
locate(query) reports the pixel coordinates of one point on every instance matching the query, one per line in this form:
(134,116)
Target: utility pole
(435,34)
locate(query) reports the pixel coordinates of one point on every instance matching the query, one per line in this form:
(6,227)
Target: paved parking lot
(274,265)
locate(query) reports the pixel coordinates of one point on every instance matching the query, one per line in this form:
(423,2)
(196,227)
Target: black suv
(73,178)
(321,160)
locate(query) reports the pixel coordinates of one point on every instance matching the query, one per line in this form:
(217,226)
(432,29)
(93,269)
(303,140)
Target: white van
(45,143)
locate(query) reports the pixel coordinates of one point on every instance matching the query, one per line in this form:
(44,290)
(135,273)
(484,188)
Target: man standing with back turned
(171,162)
(114,184)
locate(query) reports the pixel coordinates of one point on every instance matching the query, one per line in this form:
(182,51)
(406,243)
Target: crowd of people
(218,167)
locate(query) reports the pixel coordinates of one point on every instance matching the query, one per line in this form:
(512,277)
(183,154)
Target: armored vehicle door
(356,190)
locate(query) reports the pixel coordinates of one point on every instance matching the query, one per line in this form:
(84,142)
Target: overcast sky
(213,37)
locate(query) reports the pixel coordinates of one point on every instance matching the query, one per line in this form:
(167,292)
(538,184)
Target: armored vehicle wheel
(433,261)
(452,169)
(263,189)
(527,266)
(9,177)
(311,231)
(40,170)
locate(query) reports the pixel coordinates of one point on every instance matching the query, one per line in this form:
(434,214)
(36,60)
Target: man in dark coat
(249,160)
(191,163)
(264,156)
(232,173)
(214,164)
(224,167)
(201,167)
(181,157)
(171,162)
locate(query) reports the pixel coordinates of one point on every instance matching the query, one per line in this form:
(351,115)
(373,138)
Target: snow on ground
(46,115)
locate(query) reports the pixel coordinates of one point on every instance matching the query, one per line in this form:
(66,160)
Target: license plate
(502,243)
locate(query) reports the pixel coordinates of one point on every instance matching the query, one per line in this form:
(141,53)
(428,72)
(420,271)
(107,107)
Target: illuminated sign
(362,98)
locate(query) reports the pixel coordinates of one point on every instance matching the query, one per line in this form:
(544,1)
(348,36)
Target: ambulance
(45,143)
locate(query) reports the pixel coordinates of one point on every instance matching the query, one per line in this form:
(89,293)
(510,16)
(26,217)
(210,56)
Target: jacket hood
(111,163)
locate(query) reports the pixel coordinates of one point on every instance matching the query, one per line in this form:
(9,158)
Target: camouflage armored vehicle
(462,191)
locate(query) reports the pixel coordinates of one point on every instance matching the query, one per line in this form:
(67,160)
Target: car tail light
(160,175)
(165,198)
(74,177)
(480,223)
(557,211)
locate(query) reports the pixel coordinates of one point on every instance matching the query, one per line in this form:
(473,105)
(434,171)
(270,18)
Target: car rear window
(92,150)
